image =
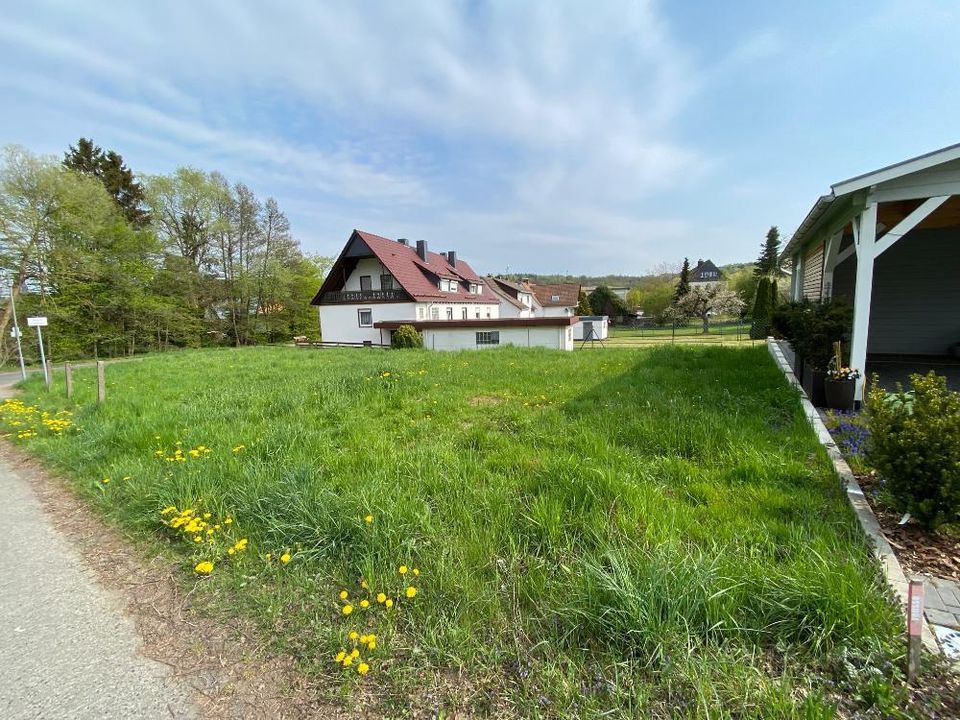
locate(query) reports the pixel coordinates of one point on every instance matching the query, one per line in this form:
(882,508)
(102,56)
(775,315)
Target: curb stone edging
(894,574)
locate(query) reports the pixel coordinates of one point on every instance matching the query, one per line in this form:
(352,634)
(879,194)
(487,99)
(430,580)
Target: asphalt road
(67,650)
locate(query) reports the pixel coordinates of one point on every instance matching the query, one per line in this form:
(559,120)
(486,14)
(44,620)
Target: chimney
(422,250)
(525,281)
(452,258)
(403,241)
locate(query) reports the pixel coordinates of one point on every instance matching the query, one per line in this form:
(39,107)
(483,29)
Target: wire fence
(720,332)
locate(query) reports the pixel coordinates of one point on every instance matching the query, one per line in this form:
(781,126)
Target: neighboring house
(706,274)
(376,279)
(517,299)
(889,242)
(555,333)
(558,299)
(619,290)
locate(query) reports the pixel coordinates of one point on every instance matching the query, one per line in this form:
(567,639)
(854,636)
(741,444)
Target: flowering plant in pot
(840,384)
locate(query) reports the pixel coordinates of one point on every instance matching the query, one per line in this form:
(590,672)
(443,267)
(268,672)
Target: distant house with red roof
(377,280)
(558,299)
(517,299)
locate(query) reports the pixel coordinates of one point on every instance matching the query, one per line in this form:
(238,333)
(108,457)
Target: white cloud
(391,109)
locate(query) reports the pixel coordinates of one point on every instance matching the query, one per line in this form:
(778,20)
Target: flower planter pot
(813,381)
(839,394)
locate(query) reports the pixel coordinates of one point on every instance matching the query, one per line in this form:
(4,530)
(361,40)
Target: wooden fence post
(101,384)
(68,374)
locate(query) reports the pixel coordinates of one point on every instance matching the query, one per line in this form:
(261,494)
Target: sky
(555,137)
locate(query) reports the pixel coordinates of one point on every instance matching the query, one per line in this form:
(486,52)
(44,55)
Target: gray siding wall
(915,307)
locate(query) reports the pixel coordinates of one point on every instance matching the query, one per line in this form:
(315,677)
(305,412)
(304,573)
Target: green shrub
(915,446)
(407,336)
(813,327)
(763,306)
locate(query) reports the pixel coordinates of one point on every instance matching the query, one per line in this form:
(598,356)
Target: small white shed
(555,333)
(591,327)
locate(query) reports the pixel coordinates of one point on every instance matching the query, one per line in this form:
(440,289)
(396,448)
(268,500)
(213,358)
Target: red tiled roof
(569,294)
(412,273)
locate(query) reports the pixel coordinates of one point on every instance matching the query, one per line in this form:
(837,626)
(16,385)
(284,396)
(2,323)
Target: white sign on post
(36,321)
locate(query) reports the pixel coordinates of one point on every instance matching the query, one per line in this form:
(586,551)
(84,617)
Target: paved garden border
(868,521)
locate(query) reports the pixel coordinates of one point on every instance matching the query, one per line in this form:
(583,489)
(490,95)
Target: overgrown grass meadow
(632,532)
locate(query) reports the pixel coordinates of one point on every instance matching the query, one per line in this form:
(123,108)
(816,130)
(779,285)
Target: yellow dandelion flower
(347,609)
(403,570)
(267,557)
(364,604)
(204,568)
(363,584)
(230,551)
(348,661)
(339,656)
(372,645)
(411,592)
(344,594)
(381,597)
(168,509)
(389,603)
(363,668)
(416,571)
(353,635)
(285,558)
(227,520)
(368,519)
(354,653)
(106,481)
(206,516)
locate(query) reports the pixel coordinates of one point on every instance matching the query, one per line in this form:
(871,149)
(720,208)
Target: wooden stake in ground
(101,383)
(68,374)
(915,615)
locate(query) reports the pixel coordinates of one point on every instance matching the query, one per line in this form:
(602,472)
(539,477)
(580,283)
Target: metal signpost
(915,628)
(39,322)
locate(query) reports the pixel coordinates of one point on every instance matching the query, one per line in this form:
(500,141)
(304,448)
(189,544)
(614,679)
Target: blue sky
(530,136)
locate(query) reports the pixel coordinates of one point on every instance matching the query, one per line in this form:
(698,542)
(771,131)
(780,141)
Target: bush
(915,446)
(813,327)
(406,336)
(762,308)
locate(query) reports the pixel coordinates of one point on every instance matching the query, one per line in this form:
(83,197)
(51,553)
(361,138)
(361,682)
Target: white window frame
(434,313)
(487,337)
(463,313)
(360,312)
(420,312)
(449,313)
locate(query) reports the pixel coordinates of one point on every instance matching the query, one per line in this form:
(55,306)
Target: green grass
(622,532)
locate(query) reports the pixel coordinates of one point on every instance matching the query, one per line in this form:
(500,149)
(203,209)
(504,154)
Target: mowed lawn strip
(644,531)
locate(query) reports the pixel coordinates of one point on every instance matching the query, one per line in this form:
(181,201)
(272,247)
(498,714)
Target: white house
(376,279)
(558,299)
(889,242)
(517,299)
(555,333)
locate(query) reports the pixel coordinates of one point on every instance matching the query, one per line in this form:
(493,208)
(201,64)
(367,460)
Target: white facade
(347,323)
(557,311)
(552,337)
(453,311)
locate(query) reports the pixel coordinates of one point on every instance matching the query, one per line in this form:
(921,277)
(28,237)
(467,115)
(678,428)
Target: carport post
(865,236)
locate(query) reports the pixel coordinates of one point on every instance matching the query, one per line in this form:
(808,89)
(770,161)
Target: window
(366,283)
(488,337)
(365,317)
(434,313)
(488,313)
(478,313)
(386,282)
(453,285)
(463,313)
(449,313)
(553,298)
(420,313)
(476,288)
